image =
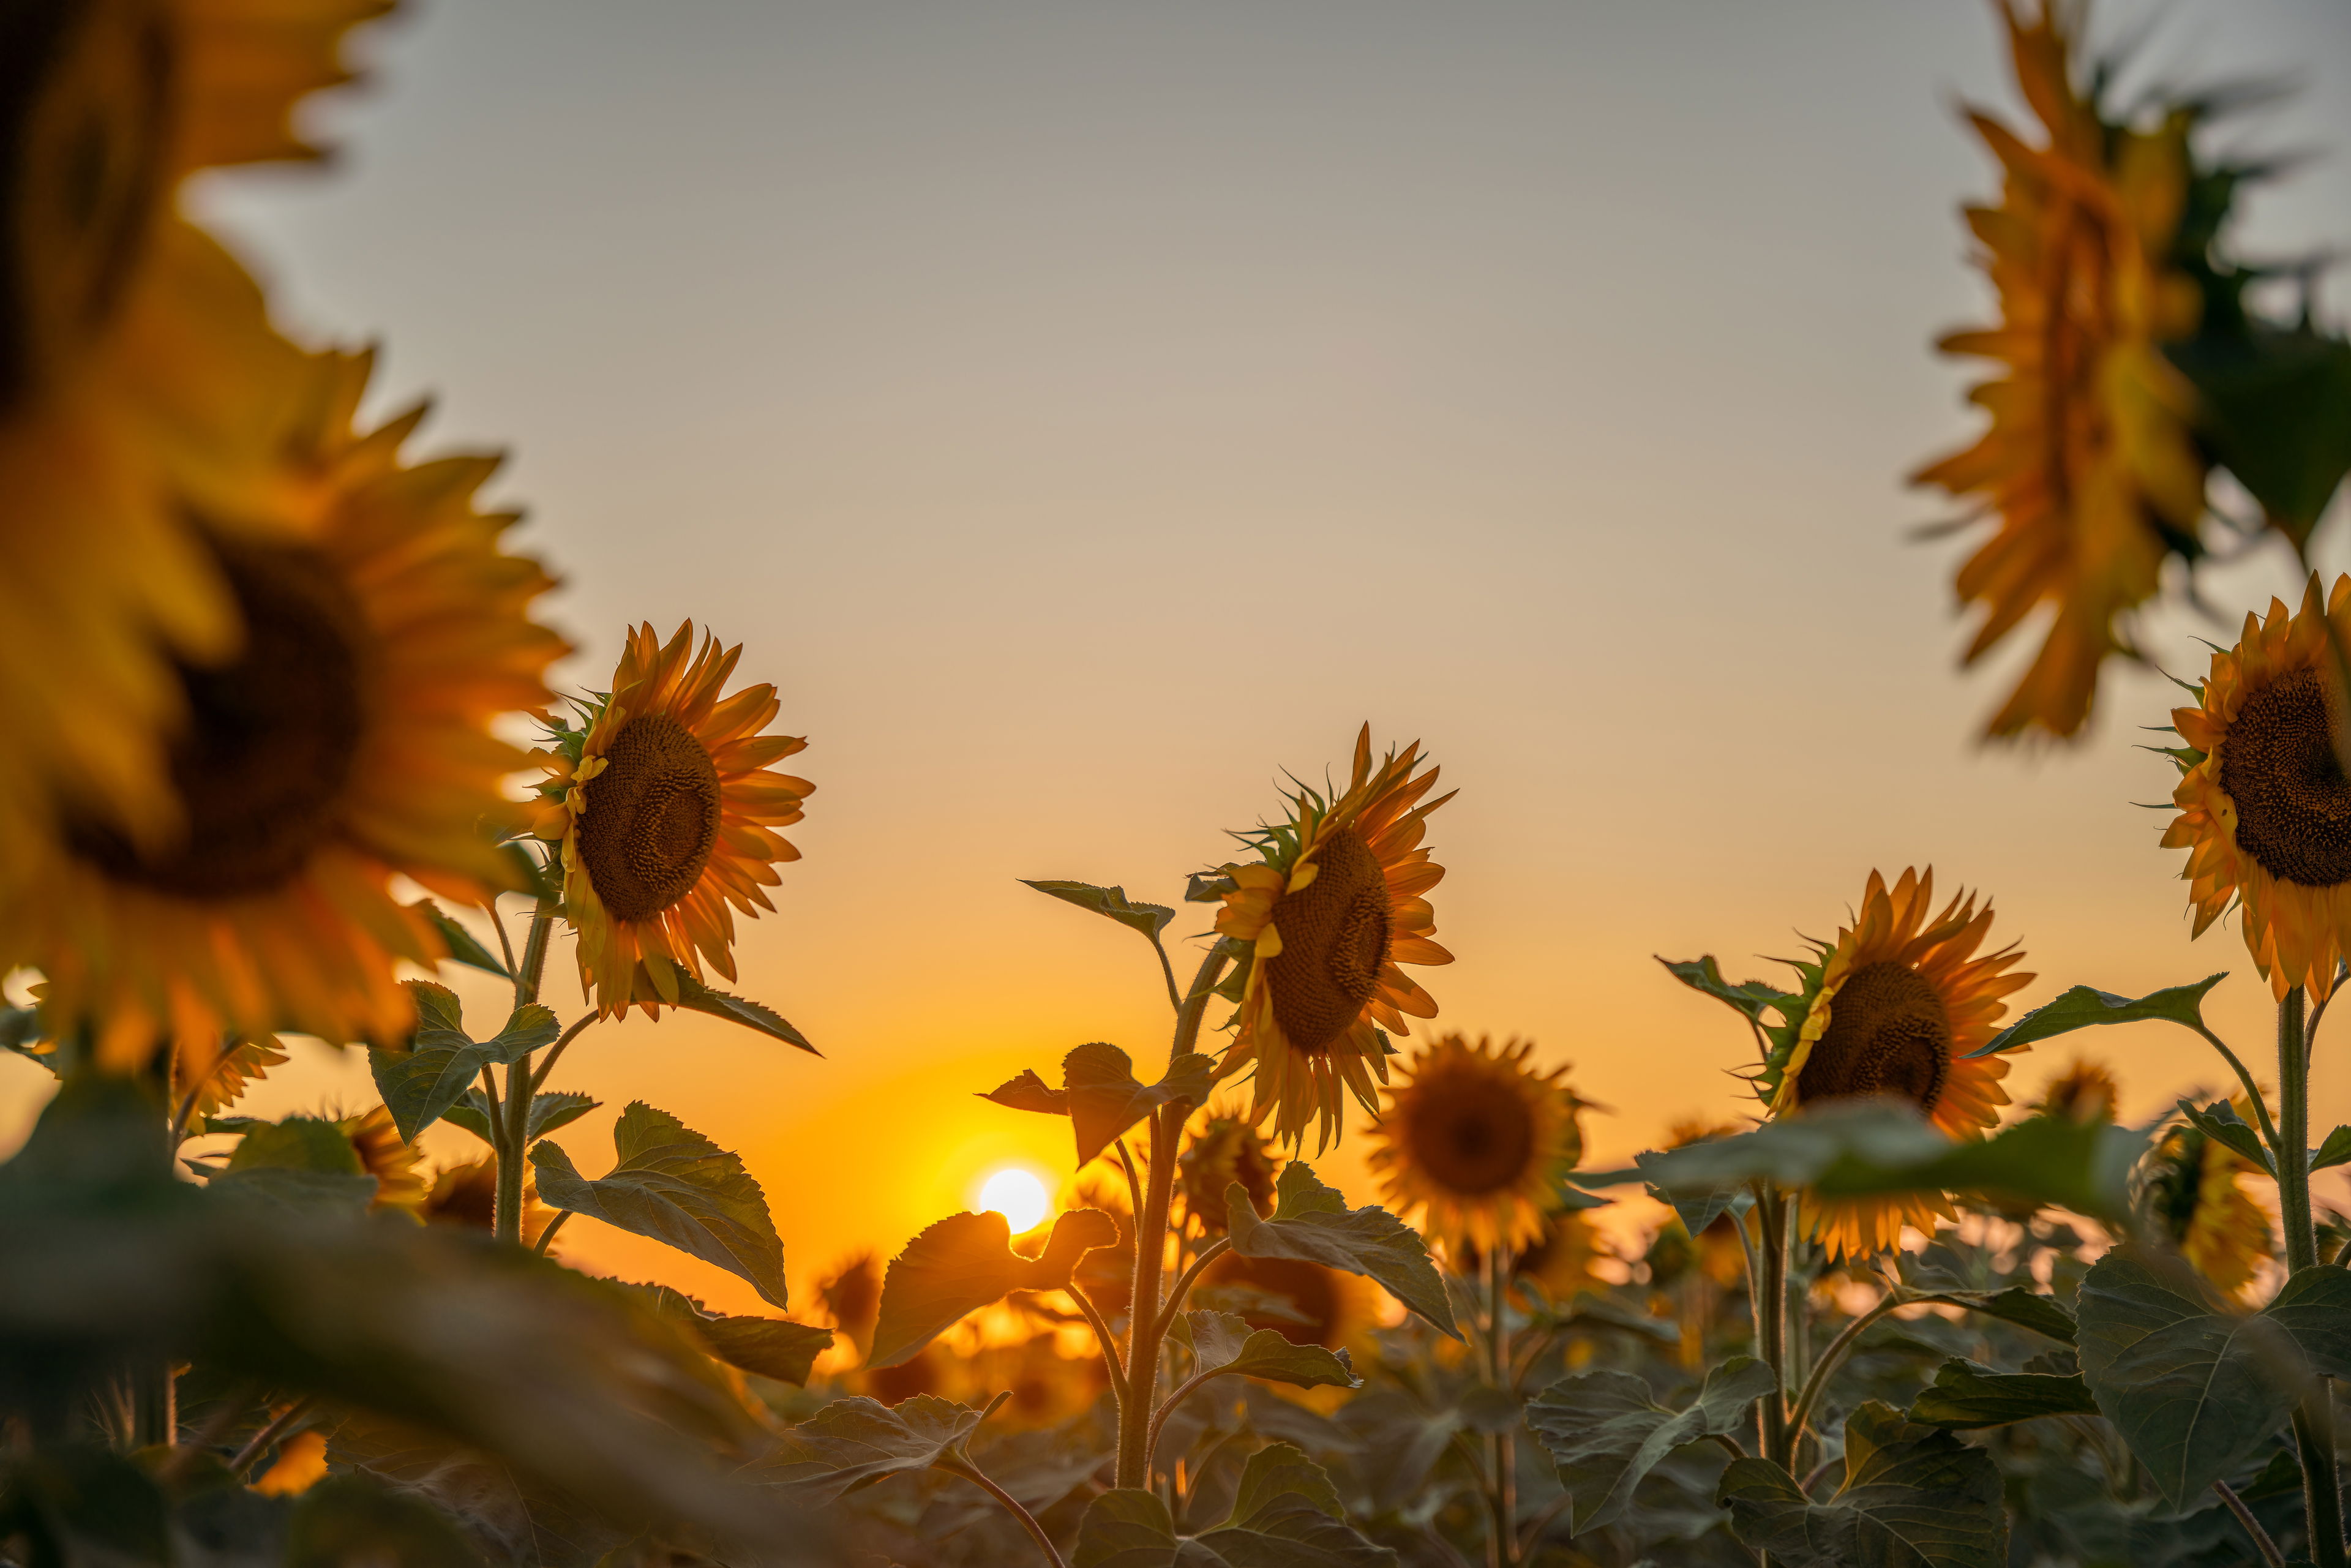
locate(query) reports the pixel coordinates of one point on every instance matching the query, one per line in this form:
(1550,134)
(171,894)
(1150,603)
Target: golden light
(1017,1195)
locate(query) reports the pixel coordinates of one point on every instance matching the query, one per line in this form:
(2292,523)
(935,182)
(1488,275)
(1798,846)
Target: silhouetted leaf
(772,1347)
(1697,1209)
(2220,1122)
(2334,1151)
(1914,1496)
(1223,1342)
(1031,1093)
(676,1185)
(548,1110)
(2276,408)
(1105,1099)
(2082,1006)
(1112,902)
(1312,1224)
(1967,1396)
(964,1262)
(442,1062)
(684,991)
(1749,997)
(1606,1433)
(463,948)
(351,1519)
(854,1442)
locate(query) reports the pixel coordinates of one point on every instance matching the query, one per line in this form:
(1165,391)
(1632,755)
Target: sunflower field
(284,750)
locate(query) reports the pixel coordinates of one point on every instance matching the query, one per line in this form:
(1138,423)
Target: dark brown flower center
(1468,1133)
(84,97)
(2280,764)
(271,739)
(1334,943)
(651,818)
(1887,1034)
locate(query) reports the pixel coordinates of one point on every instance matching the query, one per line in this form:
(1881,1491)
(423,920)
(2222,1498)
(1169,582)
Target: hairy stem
(1503,1450)
(1104,1338)
(2261,1541)
(2314,1423)
(1833,1357)
(539,1079)
(1011,1504)
(1185,1282)
(511,1151)
(547,1237)
(534,950)
(294,1415)
(1770,1284)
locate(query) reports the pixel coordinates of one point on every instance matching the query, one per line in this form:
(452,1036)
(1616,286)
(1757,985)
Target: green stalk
(2314,1423)
(1770,1287)
(512,1146)
(1502,1540)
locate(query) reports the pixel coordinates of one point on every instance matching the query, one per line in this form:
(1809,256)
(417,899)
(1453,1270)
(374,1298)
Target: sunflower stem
(1769,1286)
(1503,1541)
(509,1217)
(534,949)
(2314,1422)
(1833,1357)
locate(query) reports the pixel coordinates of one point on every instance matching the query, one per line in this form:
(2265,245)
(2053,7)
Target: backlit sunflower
(1228,1149)
(1560,1262)
(1334,904)
(395,1163)
(1892,1008)
(2195,1193)
(2088,466)
(349,739)
(214,1076)
(1317,1305)
(666,808)
(141,385)
(2084,1091)
(468,1195)
(1473,1143)
(2265,811)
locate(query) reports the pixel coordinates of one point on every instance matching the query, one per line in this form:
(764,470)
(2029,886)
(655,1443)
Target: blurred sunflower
(2085,1090)
(1333,906)
(1319,1306)
(1047,1387)
(349,739)
(2194,1192)
(1227,1150)
(467,1195)
(2088,463)
(666,807)
(2265,811)
(395,1163)
(1892,1008)
(1560,1260)
(851,1295)
(1473,1143)
(141,385)
(214,1076)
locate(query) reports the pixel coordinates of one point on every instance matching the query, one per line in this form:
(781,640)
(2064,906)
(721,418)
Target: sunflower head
(666,807)
(851,1295)
(1310,1304)
(467,1195)
(1893,1010)
(2264,809)
(2192,1191)
(1228,1149)
(1560,1260)
(2084,1090)
(217,1073)
(395,1163)
(1331,907)
(1473,1143)
(2088,467)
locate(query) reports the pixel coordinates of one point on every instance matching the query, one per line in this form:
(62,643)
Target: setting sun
(1017,1195)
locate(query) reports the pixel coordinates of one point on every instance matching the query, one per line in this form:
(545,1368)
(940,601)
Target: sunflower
(349,739)
(666,807)
(1305,1302)
(468,1195)
(1333,905)
(1225,1151)
(2088,466)
(2195,1194)
(214,1076)
(1560,1260)
(2084,1091)
(2265,813)
(141,384)
(1473,1143)
(1892,1008)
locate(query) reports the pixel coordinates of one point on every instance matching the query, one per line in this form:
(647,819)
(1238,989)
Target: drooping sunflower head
(666,807)
(851,1295)
(2192,1191)
(1473,1143)
(1227,1150)
(2265,811)
(2085,1090)
(350,737)
(211,1074)
(2088,466)
(1893,1010)
(1331,908)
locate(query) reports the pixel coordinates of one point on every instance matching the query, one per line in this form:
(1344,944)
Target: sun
(1018,1196)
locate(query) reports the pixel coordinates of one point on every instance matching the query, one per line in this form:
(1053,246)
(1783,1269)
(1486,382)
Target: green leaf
(1286,1514)
(1698,1209)
(1749,997)
(676,1185)
(964,1262)
(1223,1342)
(1793,1151)
(1312,1223)
(855,1442)
(772,1347)
(442,1062)
(1031,1093)
(2314,1309)
(2334,1151)
(1965,1395)
(2018,1304)
(349,1518)
(463,948)
(548,1110)
(1105,1099)
(302,1161)
(2220,1122)
(2082,1006)
(2276,408)
(1605,1433)
(695,997)
(2195,1392)
(77,1506)
(1914,1496)
(1126,1528)
(1110,903)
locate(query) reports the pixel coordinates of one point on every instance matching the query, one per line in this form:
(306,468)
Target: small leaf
(1914,1496)
(442,1063)
(1698,1209)
(548,1110)
(349,1519)
(852,1443)
(1208,887)
(2082,1006)
(676,1185)
(1312,1224)
(1105,1099)
(1749,997)
(771,1347)
(965,1262)
(1965,1395)
(2018,1304)
(463,948)
(1112,902)
(1605,1432)
(2220,1122)
(2334,1151)
(1223,1342)
(1031,1093)
(695,997)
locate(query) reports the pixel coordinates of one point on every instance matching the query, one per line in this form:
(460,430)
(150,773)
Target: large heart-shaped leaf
(964,1262)
(1914,1496)
(1605,1433)
(1105,1099)
(676,1185)
(1031,1093)
(855,1442)
(1110,903)
(1965,1395)
(2084,1007)
(1312,1223)
(442,1062)
(1222,1343)
(1286,1514)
